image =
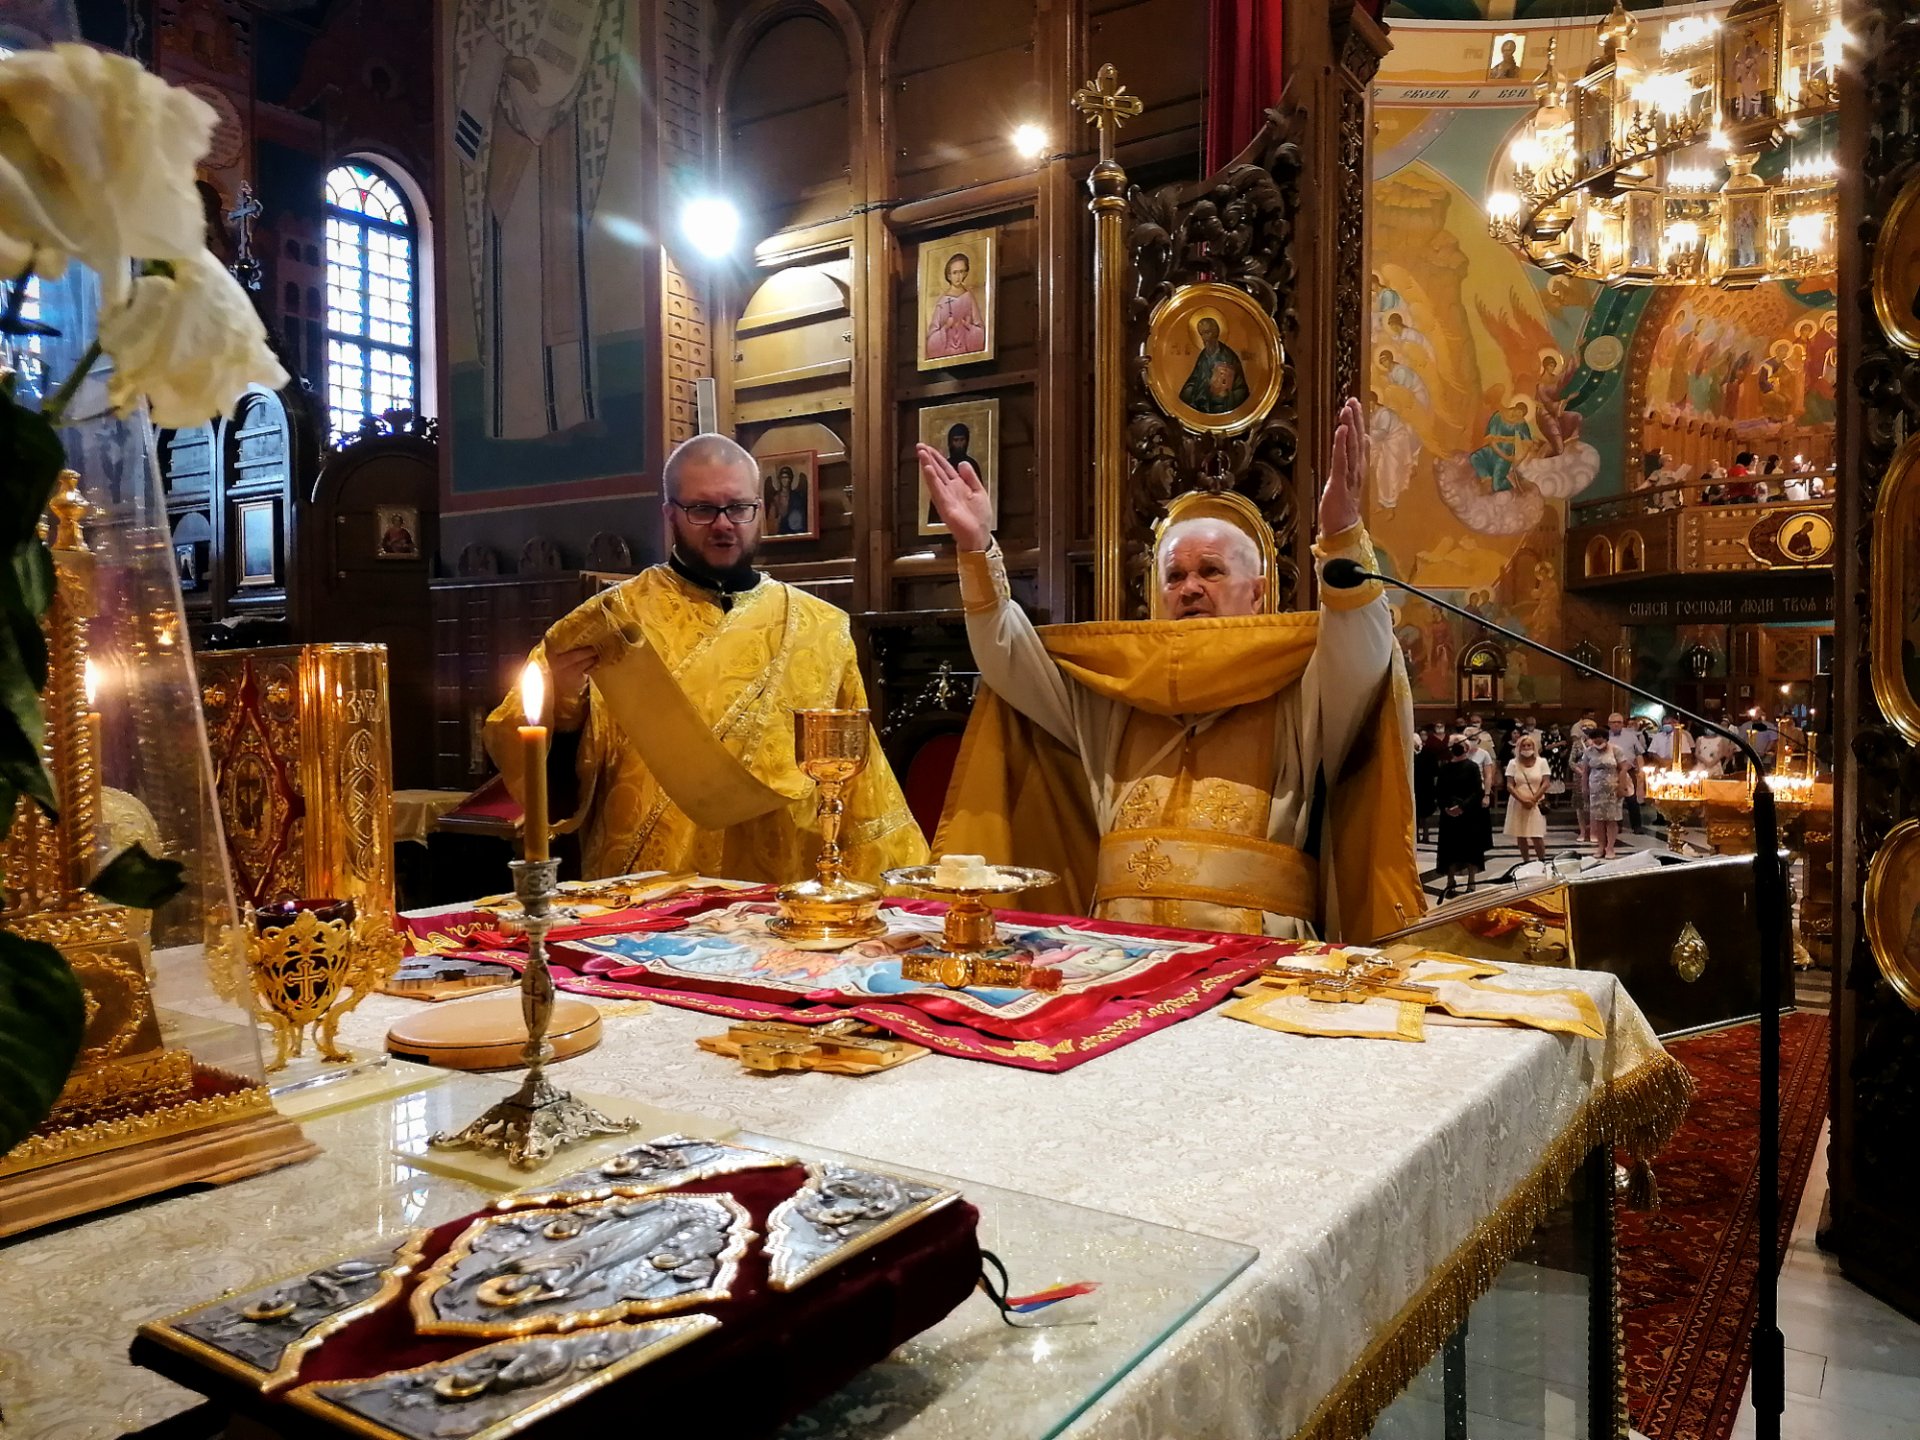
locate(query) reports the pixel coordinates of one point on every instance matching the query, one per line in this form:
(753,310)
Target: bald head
(703,453)
(1210,567)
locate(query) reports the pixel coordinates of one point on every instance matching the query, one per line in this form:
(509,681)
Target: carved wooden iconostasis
(1873,1162)
(854,137)
(909,274)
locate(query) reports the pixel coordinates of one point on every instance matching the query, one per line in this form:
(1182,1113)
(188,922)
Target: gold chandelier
(1643,173)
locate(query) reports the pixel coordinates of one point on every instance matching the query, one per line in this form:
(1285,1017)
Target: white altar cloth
(1357,1167)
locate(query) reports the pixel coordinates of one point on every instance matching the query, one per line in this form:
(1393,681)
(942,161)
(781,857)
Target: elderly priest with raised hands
(1221,769)
(673,705)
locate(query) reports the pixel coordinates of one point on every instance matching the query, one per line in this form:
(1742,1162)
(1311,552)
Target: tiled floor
(1853,1364)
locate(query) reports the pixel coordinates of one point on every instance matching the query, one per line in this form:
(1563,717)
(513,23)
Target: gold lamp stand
(830,911)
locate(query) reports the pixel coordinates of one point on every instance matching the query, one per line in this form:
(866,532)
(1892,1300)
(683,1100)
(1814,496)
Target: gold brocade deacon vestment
(685,757)
(1246,773)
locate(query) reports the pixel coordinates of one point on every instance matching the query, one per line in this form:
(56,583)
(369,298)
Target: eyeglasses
(740,512)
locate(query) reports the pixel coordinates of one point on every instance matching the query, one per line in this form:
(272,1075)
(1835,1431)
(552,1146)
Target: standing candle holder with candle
(539,1119)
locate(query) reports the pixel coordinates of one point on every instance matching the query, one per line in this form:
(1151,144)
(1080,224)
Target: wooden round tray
(489,1034)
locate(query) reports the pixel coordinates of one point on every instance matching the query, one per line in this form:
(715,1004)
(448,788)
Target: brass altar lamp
(970,951)
(830,911)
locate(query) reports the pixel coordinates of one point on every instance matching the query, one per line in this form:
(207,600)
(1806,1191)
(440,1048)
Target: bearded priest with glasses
(673,695)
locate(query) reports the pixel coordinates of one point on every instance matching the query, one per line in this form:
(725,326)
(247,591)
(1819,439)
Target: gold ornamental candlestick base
(969,952)
(830,911)
(539,1119)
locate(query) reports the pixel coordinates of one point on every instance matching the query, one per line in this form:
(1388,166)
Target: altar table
(1377,1179)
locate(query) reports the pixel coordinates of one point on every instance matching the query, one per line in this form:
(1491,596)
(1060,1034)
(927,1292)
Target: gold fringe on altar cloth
(1637,1113)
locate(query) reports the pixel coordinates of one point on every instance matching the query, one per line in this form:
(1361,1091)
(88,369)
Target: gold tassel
(1643,1191)
(1637,1113)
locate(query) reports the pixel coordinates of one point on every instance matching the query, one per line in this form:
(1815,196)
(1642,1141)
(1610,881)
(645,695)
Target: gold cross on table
(1148,864)
(1105,102)
(1360,981)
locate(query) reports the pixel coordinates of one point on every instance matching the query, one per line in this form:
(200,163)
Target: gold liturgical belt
(1210,867)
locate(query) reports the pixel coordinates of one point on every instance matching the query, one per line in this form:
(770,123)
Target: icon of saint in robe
(956,328)
(1217,385)
(959,437)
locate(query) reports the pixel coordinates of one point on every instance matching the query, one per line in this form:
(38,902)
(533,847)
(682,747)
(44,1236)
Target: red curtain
(1243,73)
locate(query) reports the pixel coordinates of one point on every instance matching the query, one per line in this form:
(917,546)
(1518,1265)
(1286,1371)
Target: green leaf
(137,879)
(33,576)
(31,459)
(43,1016)
(19,696)
(22,768)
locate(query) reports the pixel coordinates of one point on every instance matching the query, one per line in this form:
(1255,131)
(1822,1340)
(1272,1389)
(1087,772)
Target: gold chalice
(830,911)
(970,951)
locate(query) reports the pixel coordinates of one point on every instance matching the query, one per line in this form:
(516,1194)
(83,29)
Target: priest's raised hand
(1347,475)
(959,499)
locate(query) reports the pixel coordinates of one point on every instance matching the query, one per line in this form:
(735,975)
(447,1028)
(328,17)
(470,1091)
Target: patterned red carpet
(1687,1269)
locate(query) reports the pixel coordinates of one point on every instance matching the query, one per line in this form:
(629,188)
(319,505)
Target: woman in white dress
(1527,779)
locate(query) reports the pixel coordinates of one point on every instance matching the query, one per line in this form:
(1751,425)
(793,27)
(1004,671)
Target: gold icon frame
(1894,576)
(1245,326)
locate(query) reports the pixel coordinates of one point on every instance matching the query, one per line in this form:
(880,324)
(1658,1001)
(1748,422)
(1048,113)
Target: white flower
(191,343)
(107,150)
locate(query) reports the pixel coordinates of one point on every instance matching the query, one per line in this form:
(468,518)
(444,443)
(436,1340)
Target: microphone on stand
(1770,893)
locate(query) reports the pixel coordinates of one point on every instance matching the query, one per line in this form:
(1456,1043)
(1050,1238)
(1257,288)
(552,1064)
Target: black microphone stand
(1770,895)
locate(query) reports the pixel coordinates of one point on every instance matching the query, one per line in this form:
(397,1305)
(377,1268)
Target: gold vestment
(710,694)
(1187,786)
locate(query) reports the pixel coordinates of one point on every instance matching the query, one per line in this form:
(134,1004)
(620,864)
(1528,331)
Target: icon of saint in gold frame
(1214,359)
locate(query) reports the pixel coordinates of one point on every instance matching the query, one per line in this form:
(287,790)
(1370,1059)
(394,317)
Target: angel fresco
(1508,440)
(1559,424)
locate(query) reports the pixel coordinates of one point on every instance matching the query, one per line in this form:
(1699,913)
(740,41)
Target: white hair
(1237,546)
(704,449)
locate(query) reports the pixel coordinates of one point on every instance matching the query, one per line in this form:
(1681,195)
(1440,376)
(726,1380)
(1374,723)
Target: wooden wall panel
(787,140)
(964,74)
(1160,50)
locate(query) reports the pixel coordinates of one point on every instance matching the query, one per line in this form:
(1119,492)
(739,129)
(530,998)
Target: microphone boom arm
(1771,898)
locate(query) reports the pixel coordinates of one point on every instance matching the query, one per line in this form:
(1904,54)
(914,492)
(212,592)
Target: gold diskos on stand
(970,951)
(830,911)
(539,1119)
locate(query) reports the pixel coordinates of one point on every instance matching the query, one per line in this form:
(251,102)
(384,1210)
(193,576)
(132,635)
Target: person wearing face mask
(1631,744)
(671,697)
(1527,776)
(1221,768)
(1603,775)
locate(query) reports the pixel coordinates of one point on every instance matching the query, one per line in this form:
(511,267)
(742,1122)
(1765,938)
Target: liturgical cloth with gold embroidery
(1200,743)
(685,758)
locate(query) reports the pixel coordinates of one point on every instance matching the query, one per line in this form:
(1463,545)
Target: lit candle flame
(533,693)
(92,682)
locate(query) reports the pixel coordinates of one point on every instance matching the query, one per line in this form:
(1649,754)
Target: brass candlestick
(970,952)
(830,911)
(538,1119)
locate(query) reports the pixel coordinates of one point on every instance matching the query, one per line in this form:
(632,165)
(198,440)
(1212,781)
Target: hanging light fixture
(1703,165)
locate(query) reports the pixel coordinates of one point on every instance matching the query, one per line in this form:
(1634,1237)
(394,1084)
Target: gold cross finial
(1105,102)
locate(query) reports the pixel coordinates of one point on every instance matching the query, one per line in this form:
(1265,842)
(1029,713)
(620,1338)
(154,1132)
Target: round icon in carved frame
(1214,359)
(1896,270)
(1894,583)
(1891,905)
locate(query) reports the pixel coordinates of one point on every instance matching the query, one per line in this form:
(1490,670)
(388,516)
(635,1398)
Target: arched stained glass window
(373,298)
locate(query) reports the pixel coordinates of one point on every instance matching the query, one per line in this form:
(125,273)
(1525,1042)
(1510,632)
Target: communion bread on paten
(962,870)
